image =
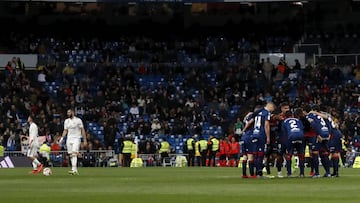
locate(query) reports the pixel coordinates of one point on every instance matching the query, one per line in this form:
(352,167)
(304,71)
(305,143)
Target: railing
(315,48)
(341,59)
(308,49)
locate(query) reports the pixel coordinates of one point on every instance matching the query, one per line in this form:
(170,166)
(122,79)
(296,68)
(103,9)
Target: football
(47,172)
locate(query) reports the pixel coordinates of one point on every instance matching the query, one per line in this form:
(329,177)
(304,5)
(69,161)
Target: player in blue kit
(245,145)
(260,135)
(322,139)
(335,149)
(281,138)
(293,129)
(334,142)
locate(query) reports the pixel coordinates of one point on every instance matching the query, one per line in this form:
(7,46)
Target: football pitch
(172,185)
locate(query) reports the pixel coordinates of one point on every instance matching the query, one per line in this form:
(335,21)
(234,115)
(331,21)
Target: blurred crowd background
(173,70)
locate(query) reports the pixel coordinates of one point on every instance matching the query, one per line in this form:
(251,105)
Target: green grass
(172,185)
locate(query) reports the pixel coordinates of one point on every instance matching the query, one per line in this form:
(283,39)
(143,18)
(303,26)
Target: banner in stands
(29,60)
(289,58)
(12,162)
(24,142)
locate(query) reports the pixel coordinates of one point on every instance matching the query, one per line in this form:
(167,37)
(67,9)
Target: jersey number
(293,124)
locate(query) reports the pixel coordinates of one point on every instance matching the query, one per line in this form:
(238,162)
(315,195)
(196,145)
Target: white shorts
(73,145)
(32,151)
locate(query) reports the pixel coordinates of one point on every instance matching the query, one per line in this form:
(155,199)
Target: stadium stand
(194,84)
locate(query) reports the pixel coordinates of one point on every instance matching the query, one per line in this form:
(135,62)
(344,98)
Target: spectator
(68,73)
(41,77)
(11,144)
(134,110)
(109,134)
(103,160)
(141,105)
(238,127)
(147,147)
(155,126)
(20,66)
(297,66)
(9,69)
(268,69)
(12,114)
(281,70)
(357,74)
(88,158)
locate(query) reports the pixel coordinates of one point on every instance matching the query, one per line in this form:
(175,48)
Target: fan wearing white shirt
(74,130)
(34,146)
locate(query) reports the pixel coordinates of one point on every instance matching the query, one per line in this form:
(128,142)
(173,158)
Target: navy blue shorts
(310,141)
(297,143)
(335,142)
(257,145)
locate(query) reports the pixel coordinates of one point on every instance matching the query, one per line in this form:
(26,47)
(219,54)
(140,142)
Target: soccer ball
(47,172)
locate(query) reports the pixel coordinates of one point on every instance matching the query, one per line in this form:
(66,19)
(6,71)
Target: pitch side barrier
(157,1)
(152,160)
(108,158)
(93,158)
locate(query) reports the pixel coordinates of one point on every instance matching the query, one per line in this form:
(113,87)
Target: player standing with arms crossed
(74,130)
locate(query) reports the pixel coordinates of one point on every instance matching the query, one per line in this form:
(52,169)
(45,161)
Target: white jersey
(73,126)
(33,135)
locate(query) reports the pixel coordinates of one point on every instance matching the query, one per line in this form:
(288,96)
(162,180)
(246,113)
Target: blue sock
(251,167)
(316,163)
(244,162)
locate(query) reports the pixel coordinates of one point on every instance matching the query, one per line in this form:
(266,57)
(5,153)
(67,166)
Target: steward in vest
(164,149)
(190,146)
(213,146)
(2,150)
(126,150)
(344,149)
(203,148)
(134,151)
(197,153)
(45,154)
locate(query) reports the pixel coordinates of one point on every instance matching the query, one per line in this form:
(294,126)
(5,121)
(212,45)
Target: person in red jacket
(223,151)
(9,69)
(234,152)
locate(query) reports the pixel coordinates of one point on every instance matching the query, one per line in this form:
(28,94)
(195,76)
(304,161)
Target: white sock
(34,165)
(37,162)
(74,163)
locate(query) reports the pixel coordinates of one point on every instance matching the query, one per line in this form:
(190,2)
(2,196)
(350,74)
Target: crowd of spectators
(153,94)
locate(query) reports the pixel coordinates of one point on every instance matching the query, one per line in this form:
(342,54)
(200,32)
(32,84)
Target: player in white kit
(32,152)
(74,130)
